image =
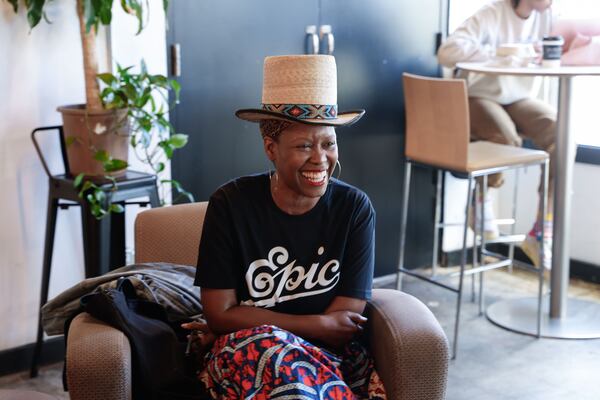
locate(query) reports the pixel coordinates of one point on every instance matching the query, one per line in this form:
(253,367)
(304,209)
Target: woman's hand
(200,336)
(339,327)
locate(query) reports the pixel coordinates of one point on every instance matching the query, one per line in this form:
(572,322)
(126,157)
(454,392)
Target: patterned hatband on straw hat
(300,88)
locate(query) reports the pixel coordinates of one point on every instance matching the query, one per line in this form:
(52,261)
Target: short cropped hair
(272,128)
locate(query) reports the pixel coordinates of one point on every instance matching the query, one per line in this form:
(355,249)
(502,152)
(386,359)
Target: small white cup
(520,54)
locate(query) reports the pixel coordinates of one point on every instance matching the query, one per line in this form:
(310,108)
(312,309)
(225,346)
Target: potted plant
(151,135)
(123,113)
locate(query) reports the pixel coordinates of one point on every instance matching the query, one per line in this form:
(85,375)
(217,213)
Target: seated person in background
(501,108)
(286,258)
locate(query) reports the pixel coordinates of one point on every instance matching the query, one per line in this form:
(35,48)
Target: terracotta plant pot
(104,130)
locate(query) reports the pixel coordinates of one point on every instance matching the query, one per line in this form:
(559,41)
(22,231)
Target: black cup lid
(552,38)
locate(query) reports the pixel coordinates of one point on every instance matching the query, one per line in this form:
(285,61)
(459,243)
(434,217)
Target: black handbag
(159,368)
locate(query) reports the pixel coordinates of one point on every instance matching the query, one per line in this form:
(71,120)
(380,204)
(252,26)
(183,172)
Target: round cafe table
(563,317)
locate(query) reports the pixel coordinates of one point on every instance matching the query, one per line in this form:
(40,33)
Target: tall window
(586,90)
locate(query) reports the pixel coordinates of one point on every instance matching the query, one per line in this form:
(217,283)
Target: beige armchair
(408,344)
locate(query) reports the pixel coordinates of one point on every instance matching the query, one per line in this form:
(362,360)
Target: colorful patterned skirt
(270,363)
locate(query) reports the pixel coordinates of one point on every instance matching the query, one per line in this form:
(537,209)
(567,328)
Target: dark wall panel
(375,42)
(223,47)
(223,44)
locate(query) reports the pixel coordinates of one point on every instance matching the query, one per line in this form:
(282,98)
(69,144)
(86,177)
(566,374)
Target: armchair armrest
(98,361)
(409,346)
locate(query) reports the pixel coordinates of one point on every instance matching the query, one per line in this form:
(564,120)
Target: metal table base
(582,321)
(519,315)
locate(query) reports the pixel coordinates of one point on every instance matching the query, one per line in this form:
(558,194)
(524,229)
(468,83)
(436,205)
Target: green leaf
(86,185)
(107,78)
(89,15)
(106,92)
(116,208)
(105,11)
(145,124)
(143,100)
(176,184)
(130,91)
(126,69)
(98,211)
(176,87)
(99,195)
(34,11)
(153,104)
(70,140)
(135,8)
(102,155)
(159,80)
(178,140)
(78,180)
(167,148)
(138,14)
(160,167)
(115,165)
(189,196)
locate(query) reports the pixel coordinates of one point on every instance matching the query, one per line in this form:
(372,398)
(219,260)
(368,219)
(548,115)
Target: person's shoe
(531,244)
(490,227)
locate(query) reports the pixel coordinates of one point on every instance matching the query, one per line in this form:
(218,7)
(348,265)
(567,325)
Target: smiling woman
(287,257)
(304,157)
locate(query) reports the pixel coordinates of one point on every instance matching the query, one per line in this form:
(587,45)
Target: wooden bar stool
(438,137)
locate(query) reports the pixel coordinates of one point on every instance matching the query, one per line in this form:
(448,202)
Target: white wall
(40,70)
(149,45)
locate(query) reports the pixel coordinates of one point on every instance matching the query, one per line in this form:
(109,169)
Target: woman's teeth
(315,177)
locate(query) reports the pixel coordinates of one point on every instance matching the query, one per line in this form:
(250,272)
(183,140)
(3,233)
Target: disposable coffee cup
(552,50)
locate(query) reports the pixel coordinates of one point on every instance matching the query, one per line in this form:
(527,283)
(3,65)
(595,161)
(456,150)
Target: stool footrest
(487,267)
(504,221)
(503,239)
(516,263)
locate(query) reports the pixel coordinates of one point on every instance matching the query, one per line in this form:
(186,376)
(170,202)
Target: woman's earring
(339,165)
(276,177)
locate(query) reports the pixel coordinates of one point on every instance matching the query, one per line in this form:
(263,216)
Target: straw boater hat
(300,88)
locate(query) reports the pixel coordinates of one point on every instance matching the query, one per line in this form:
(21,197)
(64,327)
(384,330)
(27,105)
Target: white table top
(533,70)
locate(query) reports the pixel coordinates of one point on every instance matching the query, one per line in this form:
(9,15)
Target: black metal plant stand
(103,240)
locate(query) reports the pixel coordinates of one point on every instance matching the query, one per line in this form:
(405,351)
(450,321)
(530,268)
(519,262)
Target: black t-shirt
(293,264)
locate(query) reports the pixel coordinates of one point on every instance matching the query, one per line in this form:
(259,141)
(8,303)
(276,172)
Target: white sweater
(476,40)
